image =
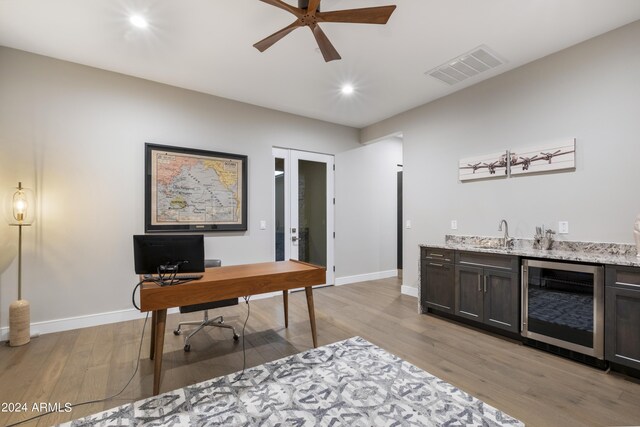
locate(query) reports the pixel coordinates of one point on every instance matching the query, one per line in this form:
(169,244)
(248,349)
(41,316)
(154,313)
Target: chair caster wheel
(177,332)
(187,348)
(236,337)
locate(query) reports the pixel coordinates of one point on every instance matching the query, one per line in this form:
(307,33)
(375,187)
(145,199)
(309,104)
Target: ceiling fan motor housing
(304,4)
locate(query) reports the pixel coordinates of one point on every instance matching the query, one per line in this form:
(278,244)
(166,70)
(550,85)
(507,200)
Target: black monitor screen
(153,251)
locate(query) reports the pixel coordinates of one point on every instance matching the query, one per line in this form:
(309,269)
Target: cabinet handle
(479,285)
(475,264)
(485,284)
(627,284)
(432,254)
(436,265)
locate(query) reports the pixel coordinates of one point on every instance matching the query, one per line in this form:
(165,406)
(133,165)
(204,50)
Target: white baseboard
(346,280)
(69,323)
(409,290)
(263,296)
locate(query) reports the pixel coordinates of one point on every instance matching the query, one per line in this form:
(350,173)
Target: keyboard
(184,276)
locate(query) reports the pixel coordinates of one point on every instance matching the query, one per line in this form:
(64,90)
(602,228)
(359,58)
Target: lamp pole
(19,261)
(22,204)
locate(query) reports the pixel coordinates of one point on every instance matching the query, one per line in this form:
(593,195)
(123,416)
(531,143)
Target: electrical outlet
(408,224)
(454,224)
(563,227)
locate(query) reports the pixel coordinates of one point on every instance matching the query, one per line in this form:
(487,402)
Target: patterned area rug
(351,382)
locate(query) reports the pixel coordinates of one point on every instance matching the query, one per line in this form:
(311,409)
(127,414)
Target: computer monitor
(151,252)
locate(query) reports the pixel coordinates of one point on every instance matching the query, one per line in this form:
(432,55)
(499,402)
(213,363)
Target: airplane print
(552,156)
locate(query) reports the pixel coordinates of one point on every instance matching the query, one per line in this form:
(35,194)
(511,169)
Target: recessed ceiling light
(347,89)
(138,21)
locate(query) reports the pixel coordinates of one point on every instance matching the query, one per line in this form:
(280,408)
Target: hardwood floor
(540,389)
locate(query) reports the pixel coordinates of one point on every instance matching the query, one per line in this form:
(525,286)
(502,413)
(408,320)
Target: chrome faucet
(506,240)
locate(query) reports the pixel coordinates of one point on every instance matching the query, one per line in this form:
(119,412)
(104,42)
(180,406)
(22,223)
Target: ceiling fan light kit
(308,14)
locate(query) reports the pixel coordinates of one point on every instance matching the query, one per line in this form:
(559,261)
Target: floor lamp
(21,208)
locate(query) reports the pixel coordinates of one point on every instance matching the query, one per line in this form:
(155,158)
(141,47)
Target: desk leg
(161,318)
(154,319)
(312,315)
(285,300)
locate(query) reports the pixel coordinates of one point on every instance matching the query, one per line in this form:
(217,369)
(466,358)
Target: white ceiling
(206,45)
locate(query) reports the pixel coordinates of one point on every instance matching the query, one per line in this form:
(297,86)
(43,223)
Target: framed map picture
(194,190)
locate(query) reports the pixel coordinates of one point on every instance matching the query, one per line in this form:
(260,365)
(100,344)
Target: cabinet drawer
(623,277)
(478,259)
(437,254)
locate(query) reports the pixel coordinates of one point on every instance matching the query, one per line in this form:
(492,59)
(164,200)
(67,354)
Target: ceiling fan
(308,15)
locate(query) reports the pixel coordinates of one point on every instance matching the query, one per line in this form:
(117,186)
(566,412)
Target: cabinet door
(622,322)
(469,292)
(438,289)
(501,301)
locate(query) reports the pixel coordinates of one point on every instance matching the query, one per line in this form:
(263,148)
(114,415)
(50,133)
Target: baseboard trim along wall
(79,322)
(409,290)
(346,280)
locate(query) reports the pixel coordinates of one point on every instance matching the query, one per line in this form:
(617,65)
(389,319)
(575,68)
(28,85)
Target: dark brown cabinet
(502,300)
(477,286)
(487,289)
(437,279)
(468,292)
(622,316)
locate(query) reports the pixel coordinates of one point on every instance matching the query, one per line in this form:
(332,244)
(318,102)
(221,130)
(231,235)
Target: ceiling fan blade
(367,15)
(313,6)
(282,5)
(328,51)
(267,42)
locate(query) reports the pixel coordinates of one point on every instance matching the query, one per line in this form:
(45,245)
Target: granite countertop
(589,252)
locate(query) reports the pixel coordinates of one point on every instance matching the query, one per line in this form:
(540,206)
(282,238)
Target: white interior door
(304,201)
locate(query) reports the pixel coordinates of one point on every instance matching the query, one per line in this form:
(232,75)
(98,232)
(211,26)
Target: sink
(486,246)
(481,242)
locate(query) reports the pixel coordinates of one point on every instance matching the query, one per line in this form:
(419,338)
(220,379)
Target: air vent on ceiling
(467,65)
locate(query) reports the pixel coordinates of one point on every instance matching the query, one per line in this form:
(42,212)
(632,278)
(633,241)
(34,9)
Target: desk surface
(233,281)
(227,282)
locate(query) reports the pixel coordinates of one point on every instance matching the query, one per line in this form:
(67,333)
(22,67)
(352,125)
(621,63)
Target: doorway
(304,202)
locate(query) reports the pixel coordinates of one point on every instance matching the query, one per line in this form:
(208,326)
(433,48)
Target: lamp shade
(20,206)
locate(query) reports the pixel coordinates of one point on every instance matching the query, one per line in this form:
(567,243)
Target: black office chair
(217,322)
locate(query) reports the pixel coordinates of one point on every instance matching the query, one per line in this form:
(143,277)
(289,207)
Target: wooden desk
(227,282)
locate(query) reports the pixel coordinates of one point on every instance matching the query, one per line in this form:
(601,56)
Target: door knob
(294,238)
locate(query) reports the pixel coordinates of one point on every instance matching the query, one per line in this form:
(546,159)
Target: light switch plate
(454,224)
(408,224)
(263,224)
(563,227)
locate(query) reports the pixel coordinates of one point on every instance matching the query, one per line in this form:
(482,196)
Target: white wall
(590,91)
(366,209)
(76,134)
